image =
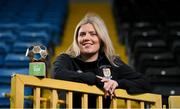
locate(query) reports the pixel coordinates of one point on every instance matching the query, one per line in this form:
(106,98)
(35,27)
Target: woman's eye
(82,34)
(93,34)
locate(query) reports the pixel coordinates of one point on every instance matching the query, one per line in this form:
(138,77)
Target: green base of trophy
(37,69)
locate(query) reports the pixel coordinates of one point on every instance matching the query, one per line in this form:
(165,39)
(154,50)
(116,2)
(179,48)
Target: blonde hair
(99,25)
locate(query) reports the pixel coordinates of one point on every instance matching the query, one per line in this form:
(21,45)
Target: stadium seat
(6,73)
(154,46)
(172,26)
(154,60)
(144,25)
(8,37)
(20,47)
(13,27)
(4,48)
(166,89)
(16,61)
(35,37)
(147,35)
(36,27)
(5,102)
(176,47)
(53,30)
(1,61)
(163,75)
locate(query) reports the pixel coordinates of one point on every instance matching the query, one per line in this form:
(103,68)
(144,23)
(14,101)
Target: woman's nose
(87,36)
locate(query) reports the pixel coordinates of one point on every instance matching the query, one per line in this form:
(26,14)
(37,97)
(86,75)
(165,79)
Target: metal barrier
(19,82)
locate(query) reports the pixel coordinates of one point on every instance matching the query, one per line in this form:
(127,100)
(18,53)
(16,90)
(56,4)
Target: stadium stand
(23,23)
(150,31)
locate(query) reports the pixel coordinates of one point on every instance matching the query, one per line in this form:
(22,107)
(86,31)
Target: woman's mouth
(87,44)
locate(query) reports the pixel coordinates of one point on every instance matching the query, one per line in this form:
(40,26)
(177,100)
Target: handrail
(174,101)
(19,82)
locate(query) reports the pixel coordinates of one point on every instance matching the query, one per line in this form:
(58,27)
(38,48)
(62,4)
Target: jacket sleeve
(63,69)
(130,80)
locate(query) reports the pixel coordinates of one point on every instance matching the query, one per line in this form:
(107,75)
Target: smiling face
(88,41)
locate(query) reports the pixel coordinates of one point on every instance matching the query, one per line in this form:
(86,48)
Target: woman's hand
(109,86)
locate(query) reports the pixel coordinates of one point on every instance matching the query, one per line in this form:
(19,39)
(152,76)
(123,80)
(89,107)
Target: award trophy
(37,55)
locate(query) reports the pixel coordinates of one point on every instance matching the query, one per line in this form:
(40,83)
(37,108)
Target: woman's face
(88,40)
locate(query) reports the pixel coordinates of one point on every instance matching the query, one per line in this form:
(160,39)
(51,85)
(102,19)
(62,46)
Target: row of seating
(17,43)
(5,102)
(33,10)
(150,31)
(44,32)
(22,24)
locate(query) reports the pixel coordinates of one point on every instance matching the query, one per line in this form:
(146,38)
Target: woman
(91,59)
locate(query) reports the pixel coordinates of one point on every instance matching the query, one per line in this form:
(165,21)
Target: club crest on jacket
(107,73)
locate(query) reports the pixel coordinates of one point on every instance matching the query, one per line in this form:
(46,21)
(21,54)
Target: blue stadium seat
(23,20)
(7,37)
(48,28)
(4,48)
(6,16)
(1,61)
(16,61)
(36,27)
(14,27)
(20,47)
(6,73)
(35,37)
(5,102)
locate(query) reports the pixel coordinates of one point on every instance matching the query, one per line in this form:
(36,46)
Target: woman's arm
(132,81)
(63,69)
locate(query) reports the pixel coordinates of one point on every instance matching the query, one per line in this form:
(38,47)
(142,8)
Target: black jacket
(74,69)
